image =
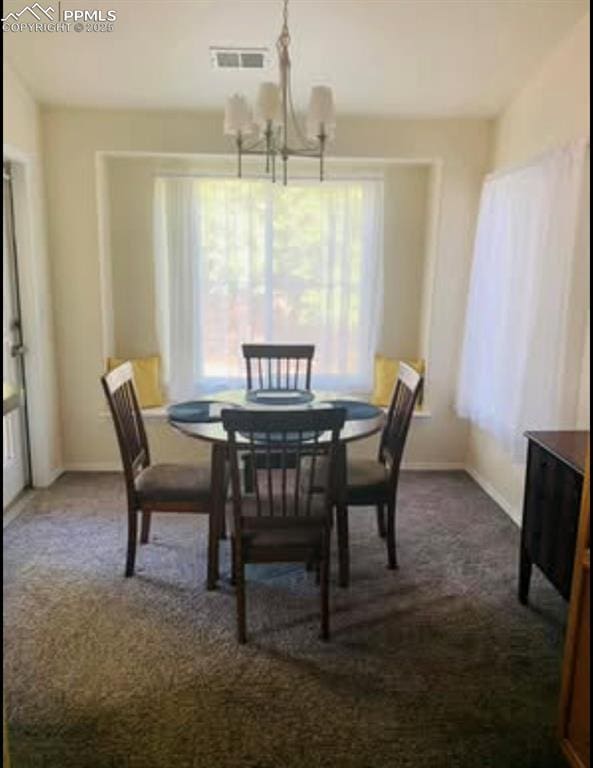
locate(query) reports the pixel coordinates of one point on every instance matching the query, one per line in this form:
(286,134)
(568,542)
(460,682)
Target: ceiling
(404,57)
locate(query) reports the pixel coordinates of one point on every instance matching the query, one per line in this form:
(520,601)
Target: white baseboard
(19,505)
(513,512)
(433,466)
(109,466)
(53,476)
(418,466)
(94,466)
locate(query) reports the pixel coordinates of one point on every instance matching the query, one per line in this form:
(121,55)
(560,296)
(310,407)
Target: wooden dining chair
(285,519)
(278,366)
(154,487)
(284,367)
(374,482)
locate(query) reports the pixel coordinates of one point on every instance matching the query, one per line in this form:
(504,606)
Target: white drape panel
(177,241)
(528,299)
(245,261)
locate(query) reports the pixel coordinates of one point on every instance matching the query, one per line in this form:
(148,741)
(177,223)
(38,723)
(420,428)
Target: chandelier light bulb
(321,115)
(267,108)
(237,116)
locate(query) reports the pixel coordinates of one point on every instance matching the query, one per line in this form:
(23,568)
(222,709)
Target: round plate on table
(279,397)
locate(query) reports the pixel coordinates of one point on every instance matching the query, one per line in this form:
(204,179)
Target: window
(250,261)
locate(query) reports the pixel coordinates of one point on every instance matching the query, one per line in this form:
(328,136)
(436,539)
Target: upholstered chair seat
(172,483)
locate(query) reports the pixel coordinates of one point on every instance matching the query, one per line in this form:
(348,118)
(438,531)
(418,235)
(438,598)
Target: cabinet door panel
(551,516)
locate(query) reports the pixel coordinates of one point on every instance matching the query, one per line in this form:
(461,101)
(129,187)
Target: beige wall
(130,182)
(461,149)
(23,146)
(550,110)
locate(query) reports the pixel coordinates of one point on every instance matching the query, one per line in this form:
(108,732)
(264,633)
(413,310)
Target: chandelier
(266,131)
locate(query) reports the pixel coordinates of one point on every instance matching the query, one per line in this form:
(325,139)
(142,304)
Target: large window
(246,261)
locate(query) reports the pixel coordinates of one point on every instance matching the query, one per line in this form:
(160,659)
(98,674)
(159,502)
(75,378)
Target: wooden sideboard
(551,507)
(575,700)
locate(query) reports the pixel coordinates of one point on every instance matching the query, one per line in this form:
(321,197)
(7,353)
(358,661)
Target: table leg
(342,519)
(218,461)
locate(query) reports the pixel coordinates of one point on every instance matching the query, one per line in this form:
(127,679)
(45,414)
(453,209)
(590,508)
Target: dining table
(200,419)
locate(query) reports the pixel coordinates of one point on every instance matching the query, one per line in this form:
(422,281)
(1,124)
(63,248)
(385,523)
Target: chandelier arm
(273,145)
(297,128)
(256,143)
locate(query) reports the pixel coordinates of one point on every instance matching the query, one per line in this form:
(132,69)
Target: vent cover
(239,58)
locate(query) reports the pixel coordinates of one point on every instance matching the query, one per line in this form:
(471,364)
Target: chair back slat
(287,490)
(405,396)
(278,366)
(120,392)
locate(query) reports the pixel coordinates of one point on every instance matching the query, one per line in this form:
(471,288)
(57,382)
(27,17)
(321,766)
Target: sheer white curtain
(176,237)
(528,299)
(240,261)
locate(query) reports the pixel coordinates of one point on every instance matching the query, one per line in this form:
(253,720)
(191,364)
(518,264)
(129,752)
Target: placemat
(197,411)
(356,409)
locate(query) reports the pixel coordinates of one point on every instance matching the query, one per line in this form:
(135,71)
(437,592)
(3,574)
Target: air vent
(239,58)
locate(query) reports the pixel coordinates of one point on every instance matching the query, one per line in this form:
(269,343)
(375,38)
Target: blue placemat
(197,411)
(279,396)
(355,409)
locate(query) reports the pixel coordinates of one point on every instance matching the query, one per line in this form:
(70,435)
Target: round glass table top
(363,420)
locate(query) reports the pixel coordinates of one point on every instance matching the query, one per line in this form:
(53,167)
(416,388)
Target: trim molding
(17,507)
(94,466)
(432,466)
(53,476)
(513,512)
(114,466)
(415,466)
(35,294)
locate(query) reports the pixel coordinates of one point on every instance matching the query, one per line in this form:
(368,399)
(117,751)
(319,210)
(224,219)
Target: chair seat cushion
(282,531)
(286,539)
(184,483)
(366,473)
(365,477)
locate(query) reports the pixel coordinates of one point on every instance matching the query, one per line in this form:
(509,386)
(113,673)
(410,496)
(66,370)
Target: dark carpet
(433,665)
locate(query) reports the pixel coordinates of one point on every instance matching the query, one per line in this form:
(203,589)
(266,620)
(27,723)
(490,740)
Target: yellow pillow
(386,371)
(146,378)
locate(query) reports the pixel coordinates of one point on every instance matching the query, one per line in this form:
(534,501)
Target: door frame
(16,337)
(36,314)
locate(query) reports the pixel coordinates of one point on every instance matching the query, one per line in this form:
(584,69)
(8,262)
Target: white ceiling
(406,57)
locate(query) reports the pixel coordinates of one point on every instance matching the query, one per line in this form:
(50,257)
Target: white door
(15,473)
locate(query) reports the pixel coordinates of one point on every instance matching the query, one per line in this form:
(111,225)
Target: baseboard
(19,505)
(504,504)
(425,466)
(433,466)
(53,476)
(417,466)
(93,466)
